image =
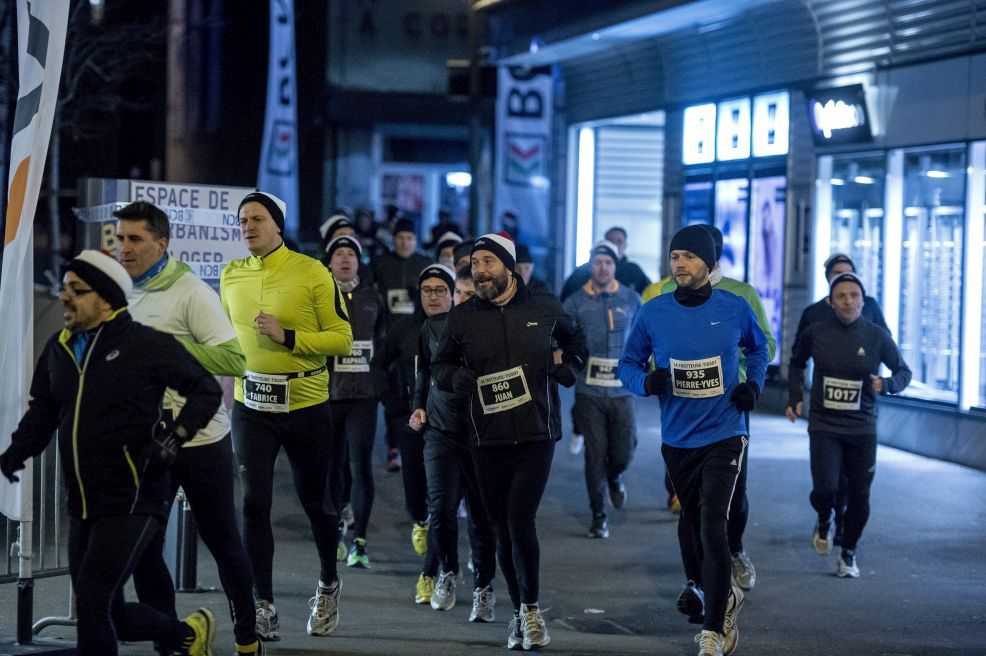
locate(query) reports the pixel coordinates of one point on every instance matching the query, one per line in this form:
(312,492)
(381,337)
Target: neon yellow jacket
(301,293)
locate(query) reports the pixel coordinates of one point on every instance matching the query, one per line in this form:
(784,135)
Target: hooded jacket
(509,349)
(105,408)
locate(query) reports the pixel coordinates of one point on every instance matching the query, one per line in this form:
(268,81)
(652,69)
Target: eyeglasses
(75,292)
(434,291)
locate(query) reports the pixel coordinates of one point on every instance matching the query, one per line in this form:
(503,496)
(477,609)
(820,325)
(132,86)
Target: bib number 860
(500,387)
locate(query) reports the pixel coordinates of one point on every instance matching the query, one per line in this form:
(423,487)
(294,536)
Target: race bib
(697,379)
(266,392)
(399,301)
(503,390)
(358,360)
(840,394)
(601,372)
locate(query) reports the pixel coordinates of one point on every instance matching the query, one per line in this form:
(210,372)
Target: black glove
(161,451)
(658,383)
(464,382)
(10,464)
(563,373)
(745,396)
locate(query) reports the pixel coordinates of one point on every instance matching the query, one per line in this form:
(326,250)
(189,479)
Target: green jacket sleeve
(224,359)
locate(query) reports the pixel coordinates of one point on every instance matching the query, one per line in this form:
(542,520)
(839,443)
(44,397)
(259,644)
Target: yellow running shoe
(419,537)
(203,625)
(424,589)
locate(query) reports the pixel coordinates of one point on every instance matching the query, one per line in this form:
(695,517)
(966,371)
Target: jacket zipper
(75,418)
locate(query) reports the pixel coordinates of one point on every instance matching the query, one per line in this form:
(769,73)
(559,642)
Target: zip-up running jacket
(351,374)
(302,294)
(446,411)
(401,345)
(842,396)
(605,318)
(105,408)
(509,349)
(177,302)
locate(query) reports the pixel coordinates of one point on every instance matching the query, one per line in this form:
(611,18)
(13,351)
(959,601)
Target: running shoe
(821,539)
(575,445)
(710,643)
(424,589)
(256,648)
(515,637)
(691,602)
(483,601)
(324,606)
(357,555)
(734,604)
(533,628)
(847,565)
(744,574)
(419,537)
(203,626)
(268,626)
(444,596)
(617,492)
(599,527)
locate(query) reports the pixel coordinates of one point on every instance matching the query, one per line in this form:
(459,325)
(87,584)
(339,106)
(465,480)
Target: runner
(497,352)
(288,315)
(847,350)
(604,309)
(169,297)
(694,336)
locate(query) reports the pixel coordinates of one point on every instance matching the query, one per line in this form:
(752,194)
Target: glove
(745,396)
(563,373)
(464,382)
(10,464)
(658,383)
(162,450)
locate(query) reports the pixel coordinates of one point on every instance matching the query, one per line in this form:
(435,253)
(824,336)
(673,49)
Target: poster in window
(698,203)
(767,249)
(732,197)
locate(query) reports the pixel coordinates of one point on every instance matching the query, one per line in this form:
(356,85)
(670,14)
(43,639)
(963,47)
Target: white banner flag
(40,46)
(279,154)
(523,143)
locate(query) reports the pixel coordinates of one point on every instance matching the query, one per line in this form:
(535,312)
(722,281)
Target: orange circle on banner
(15,206)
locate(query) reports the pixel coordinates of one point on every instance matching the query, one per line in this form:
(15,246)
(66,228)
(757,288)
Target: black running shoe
(691,602)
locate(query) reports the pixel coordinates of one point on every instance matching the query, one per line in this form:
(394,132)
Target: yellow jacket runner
(301,293)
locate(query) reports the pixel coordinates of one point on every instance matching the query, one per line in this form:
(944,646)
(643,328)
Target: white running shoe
(744,574)
(268,626)
(443,598)
(483,601)
(734,604)
(533,627)
(324,617)
(709,643)
(575,444)
(848,566)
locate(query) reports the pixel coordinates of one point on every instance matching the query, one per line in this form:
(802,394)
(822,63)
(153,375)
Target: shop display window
(767,249)
(857,184)
(732,198)
(929,328)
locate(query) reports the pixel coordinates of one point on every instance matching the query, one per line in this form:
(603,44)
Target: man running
(694,336)
(169,297)
(288,315)
(604,309)
(847,350)
(498,354)
(100,382)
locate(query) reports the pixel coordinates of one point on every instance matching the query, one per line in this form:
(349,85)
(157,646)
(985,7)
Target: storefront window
(857,216)
(931,270)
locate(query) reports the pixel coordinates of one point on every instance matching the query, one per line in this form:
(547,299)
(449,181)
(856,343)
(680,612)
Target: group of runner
(465,351)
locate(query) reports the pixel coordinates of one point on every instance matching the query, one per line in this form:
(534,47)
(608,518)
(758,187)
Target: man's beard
(498,287)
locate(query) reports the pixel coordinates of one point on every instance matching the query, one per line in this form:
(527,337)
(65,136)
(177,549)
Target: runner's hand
(269,326)
(658,383)
(162,450)
(563,374)
(9,464)
(794,411)
(418,420)
(877,383)
(745,396)
(464,382)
